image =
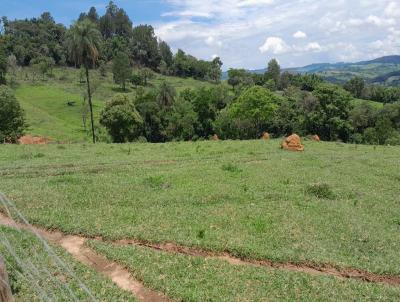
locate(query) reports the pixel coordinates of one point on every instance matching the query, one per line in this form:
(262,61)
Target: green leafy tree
(146,74)
(3,66)
(12,121)
(84,48)
(329,115)
(144,47)
(206,103)
(154,119)
(273,72)
(182,121)
(166,53)
(121,119)
(363,116)
(256,105)
(12,64)
(215,71)
(355,86)
(136,79)
(239,77)
(122,70)
(115,22)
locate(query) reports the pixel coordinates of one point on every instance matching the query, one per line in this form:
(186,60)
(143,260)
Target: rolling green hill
(46,102)
(378,71)
(382,71)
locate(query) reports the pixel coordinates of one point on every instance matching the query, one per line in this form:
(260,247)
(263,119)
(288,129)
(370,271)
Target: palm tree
(166,95)
(83,41)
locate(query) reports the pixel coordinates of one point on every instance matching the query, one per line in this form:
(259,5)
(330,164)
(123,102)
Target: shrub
(394,139)
(12,121)
(121,119)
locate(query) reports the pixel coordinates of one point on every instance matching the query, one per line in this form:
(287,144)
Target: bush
(12,121)
(121,119)
(394,140)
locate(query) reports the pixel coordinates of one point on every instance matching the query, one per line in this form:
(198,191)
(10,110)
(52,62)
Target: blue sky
(247,33)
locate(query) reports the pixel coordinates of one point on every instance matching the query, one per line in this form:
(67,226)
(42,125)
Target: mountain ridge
(381,70)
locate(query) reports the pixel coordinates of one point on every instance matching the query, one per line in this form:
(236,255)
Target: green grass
(45,102)
(187,278)
(376,105)
(51,280)
(247,197)
(48,113)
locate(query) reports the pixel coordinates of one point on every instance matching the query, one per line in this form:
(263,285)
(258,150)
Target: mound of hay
(215,138)
(33,140)
(292,143)
(265,136)
(315,138)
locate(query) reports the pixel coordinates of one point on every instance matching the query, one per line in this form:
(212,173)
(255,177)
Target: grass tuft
(321,190)
(231,168)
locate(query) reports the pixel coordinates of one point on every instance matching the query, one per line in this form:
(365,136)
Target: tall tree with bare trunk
(83,40)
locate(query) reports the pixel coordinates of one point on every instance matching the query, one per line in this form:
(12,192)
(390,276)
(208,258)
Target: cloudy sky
(247,33)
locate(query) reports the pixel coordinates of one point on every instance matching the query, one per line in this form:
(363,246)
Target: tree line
(41,42)
(246,106)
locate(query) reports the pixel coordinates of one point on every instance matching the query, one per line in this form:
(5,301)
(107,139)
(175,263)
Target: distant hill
(382,71)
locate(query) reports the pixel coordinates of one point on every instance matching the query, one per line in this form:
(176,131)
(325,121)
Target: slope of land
(54,107)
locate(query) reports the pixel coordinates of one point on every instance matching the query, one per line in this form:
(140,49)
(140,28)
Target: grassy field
(335,203)
(36,276)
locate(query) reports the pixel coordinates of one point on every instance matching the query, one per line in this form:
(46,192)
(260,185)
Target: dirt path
(75,245)
(309,268)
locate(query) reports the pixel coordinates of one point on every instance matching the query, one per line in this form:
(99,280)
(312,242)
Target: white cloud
(341,30)
(299,35)
(254,2)
(212,41)
(274,45)
(393,9)
(313,46)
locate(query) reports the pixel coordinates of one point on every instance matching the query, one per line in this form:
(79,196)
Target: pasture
(335,205)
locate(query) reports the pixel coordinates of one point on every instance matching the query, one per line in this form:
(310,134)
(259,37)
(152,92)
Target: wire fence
(33,264)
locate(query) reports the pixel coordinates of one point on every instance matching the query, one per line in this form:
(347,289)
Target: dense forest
(243,107)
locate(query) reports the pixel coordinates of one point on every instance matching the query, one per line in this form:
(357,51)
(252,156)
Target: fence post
(5,290)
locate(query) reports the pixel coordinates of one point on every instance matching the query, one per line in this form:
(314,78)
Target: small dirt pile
(315,138)
(292,143)
(215,138)
(33,140)
(265,136)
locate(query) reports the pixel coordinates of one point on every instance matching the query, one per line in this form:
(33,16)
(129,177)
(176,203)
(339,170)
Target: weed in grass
(321,190)
(61,147)
(157,182)
(231,168)
(201,234)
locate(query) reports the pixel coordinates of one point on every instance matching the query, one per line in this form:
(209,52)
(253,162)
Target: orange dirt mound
(292,143)
(33,140)
(315,138)
(215,138)
(265,136)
